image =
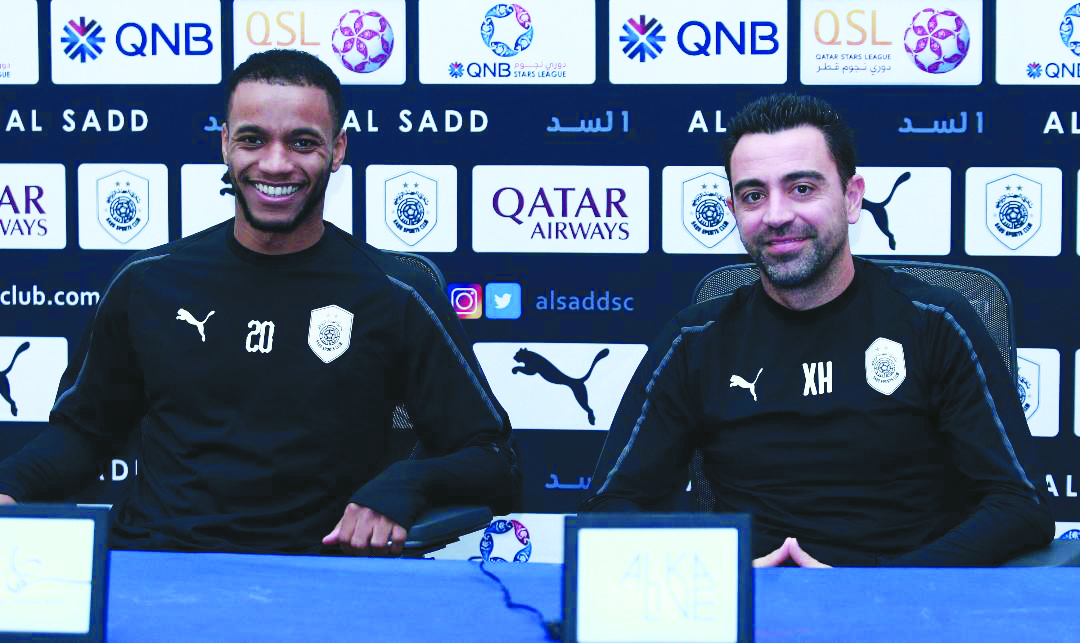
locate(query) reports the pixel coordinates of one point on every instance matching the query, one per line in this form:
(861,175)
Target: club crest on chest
(885,366)
(330,332)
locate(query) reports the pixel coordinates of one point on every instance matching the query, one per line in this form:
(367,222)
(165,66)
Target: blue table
(230,597)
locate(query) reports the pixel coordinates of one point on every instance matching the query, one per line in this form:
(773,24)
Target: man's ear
(853,195)
(225,143)
(341,141)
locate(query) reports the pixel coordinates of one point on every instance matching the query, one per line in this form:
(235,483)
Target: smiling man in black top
(261,360)
(861,416)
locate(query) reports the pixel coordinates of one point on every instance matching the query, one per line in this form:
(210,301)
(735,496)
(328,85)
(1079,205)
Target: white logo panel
(559,386)
(906,211)
(96,42)
(904,42)
(363,43)
(692,42)
(560,208)
(1013,211)
(533,42)
(30,371)
(1078,212)
(411,208)
(123,206)
(202,204)
(33,206)
(695,215)
(1076,400)
(546,538)
(1039,383)
(19,43)
(1038,43)
(330,332)
(1071,530)
(886,369)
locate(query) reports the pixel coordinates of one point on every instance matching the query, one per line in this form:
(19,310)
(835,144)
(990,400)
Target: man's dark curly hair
(286,67)
(779,112)
(289,67)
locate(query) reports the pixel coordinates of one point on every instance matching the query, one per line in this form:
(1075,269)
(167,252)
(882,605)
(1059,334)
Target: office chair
(987,295)
(440,526)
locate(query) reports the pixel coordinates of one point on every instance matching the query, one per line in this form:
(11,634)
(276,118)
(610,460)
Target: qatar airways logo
(561,209)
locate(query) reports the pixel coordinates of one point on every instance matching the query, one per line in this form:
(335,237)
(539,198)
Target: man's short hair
(290,67)
(779,112)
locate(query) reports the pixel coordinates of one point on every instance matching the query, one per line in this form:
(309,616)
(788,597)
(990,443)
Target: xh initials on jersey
(818,378)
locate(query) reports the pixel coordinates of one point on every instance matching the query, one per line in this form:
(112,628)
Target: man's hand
(801,558)
(776,557)
(790,550)
(6,499)
(363,532)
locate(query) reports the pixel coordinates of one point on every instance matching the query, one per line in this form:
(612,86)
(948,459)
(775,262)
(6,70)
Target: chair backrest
(404,431)
(987,294)
(438,526)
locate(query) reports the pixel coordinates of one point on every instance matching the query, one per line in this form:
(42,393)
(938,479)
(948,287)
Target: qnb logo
(134,40)
(536,364)
(82,39)
(363,41)
(695,38)
(497,19)
(1054,70)
(5,385)
(642,38)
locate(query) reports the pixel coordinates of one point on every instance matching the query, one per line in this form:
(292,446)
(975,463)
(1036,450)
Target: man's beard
(798,271)
(314,198)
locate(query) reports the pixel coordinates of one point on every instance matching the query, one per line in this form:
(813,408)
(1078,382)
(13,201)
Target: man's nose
(778,212)
(275,159)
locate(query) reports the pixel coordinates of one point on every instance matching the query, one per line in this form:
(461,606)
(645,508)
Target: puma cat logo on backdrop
(534,363)
(881,217)
(186,316)
(737,380)
(5,385)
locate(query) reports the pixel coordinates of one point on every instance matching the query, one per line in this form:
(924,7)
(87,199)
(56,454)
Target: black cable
(552,629)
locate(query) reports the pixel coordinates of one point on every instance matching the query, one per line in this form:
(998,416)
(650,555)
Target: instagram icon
(467,300)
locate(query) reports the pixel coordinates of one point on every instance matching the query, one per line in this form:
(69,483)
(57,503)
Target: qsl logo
(937,41)
(363,41)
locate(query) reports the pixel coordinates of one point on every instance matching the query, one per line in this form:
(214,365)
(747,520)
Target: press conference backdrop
(559,160)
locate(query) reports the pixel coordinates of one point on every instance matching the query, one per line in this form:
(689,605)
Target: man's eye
(305,144)
(249,140)
(753,197)
(803,189)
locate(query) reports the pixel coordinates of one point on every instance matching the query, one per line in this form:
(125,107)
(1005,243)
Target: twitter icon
(502,300)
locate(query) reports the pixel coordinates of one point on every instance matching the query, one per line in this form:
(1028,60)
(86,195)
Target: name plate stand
(53,572)
(657,578)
